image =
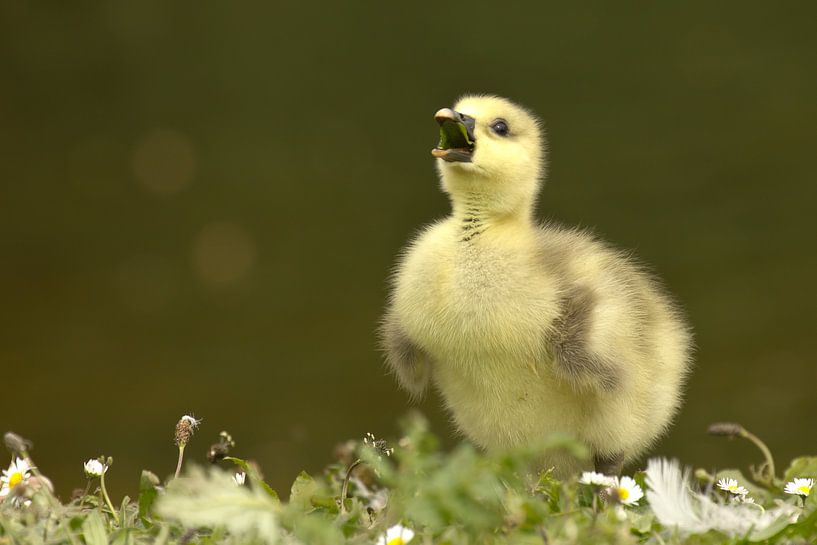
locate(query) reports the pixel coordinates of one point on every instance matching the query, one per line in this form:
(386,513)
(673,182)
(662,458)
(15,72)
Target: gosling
(529,330)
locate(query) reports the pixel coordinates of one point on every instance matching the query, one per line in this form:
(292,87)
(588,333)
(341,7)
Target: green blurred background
(201,203)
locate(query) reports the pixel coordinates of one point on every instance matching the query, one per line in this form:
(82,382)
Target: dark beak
(456,136)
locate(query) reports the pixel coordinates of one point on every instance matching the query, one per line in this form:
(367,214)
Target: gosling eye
(500,127)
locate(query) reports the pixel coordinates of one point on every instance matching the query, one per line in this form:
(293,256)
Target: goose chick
(528,330)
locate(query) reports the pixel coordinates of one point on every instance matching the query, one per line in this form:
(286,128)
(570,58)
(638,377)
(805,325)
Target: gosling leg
(608,465)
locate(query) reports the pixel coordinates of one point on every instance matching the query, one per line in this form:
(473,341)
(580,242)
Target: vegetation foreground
(414,492)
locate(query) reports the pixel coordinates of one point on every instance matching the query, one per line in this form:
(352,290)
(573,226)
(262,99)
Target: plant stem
(161,539)
(87,489)
(55,504)
(107,498)
(181,459)
(345,489)
(746,434)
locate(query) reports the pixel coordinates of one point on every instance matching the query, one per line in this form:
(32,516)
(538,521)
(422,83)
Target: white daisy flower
(627,490)
(239,478)
(95,468)
(396,535)
(727,484)
(801,487)
(731,486)
(596,479)
(18,472)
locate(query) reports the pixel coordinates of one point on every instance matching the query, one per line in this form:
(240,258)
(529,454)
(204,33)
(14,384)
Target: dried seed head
(379,445)
(16,444)
(218,451)
(725,429)
(226,438)
(184,429)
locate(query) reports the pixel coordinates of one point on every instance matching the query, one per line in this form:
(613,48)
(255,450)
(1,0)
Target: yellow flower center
(15,479)
(805,489)
(396,541)
(623,494)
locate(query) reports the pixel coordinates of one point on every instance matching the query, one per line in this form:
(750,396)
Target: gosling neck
(475,213)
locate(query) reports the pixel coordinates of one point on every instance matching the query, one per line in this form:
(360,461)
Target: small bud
(725,429)
(184,429)
(703,476)
(16,444)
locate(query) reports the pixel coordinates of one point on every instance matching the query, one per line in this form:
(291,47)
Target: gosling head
(490,155)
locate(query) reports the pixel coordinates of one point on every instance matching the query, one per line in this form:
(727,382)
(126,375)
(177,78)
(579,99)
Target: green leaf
(641,522)
(810,506)
(325,502)
(318,530)
(93,529)
(551,489)
(125,536)
(770,531)
(805,466)
(75,523)
(302,490)
(147,495)
(807,526)
(255,477)
(640,478)
(211,499)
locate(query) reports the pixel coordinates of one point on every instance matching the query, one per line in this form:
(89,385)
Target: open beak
(456,136)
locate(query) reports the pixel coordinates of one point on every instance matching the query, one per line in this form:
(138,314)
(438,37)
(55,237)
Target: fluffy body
(526,329)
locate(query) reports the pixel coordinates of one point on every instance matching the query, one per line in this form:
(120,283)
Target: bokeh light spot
(164,161)
(223,253)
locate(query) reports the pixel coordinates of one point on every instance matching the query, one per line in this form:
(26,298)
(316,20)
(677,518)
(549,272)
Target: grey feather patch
(407,361)
(572,356)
